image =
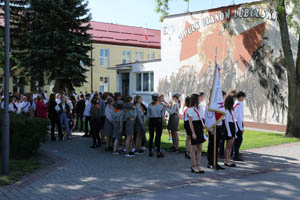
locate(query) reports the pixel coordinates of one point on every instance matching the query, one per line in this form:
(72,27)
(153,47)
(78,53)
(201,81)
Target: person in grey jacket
(139,124)
(118,125)
(109,123)
(130,115)
(156,113)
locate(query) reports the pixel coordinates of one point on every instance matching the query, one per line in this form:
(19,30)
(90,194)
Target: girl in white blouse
(231,129)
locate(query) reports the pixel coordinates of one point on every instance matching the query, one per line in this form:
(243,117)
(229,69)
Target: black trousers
(210,151)
(95,129)
(87,122)
(237,144)
(79,118)
(55,121)
(155,124)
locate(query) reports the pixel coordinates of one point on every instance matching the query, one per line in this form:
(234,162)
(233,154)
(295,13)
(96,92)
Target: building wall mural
(245,41)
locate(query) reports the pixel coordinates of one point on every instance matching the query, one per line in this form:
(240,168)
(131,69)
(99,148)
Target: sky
(142,13)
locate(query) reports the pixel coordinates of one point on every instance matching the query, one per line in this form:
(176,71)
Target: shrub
(26,135)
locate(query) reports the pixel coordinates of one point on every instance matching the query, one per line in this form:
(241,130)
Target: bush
(26,135)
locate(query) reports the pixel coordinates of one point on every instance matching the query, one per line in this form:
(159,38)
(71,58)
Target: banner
(216,101)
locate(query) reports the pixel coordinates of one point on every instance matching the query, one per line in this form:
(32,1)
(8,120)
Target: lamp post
(5,121)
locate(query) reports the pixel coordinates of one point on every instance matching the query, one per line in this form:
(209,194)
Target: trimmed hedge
(26,135)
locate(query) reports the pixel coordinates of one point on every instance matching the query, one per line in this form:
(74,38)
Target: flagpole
(215,128)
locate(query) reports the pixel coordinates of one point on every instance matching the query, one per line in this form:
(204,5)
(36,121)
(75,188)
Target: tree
(55,42)
(286,22)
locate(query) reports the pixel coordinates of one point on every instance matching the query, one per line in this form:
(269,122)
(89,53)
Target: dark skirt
(232,130)
(130,127)
(187,128)
(108,128)
(198,127)
(139,128)
(173,123)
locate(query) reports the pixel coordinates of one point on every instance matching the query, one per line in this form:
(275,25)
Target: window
(104,57)
(151,56)
(139,56)
(126,57)
(145,82)
(104,84)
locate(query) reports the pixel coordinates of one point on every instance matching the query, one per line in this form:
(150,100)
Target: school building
(113,44)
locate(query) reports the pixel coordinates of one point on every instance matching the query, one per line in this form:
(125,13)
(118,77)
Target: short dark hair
(194,100)
(87,95)
(187,101)
(201,94)
(229,102)
(128,99)
(223,93)
(240,94)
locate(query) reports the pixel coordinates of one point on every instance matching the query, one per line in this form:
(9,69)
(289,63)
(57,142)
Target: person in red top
(41,108)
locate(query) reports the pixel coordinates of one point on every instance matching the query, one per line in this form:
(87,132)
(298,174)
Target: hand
(194,136)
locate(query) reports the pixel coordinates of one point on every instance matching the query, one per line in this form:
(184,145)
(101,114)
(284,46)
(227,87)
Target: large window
(151,56)
(126,57)
(139,56)
(104,84)
(145,82)
(104,57)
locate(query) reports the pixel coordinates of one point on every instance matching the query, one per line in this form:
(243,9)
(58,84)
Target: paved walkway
(84,173)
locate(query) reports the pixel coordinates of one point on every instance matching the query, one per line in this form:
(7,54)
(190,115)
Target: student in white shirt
(202,104)
(231,129)
(87,114)
(197,134)
(187,128)
(239,113)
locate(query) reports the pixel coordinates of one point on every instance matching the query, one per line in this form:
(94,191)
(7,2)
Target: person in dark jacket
(54,118)
(80,106)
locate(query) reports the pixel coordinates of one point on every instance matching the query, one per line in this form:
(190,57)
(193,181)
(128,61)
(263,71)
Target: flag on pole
(216,101)
(146,35)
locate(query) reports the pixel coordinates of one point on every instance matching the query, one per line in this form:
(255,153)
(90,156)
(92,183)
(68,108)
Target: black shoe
(210,166)
(187,156)
(85,135)
(160,155)
(218,167)
(193,171)
(201,172)
(238,159)
(53,138)
(131,153)
(175,150)
(150,154)
(231,165)
(93,146)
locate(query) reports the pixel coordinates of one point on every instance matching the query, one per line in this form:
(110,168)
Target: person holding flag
(214,115)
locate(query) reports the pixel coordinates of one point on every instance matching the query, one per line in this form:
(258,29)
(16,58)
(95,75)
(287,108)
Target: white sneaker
(129,156)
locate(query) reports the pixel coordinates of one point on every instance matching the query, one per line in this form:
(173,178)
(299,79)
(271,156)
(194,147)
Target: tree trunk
(63,86)
(293,123)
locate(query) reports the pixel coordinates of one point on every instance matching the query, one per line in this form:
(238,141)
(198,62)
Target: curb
(58,162)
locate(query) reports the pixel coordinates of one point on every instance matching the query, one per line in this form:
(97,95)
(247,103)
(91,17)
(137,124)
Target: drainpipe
(92,74)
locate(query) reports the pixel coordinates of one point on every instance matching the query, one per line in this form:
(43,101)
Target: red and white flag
(146,35)
(216,101)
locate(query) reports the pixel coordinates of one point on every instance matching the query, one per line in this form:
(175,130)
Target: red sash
(198,114)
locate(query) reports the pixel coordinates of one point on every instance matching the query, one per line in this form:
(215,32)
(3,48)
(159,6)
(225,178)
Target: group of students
(120,122)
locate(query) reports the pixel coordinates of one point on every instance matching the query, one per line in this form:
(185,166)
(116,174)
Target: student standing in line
(231,129)
(187,128)
(41,108)
(197,134)
(139,124)
(87,114)
(79,110)
(155,114)
(239,114)
(130,116)
(174,121)
(202,105)
(54,118)
(109,123)
(118,125)
(95,125)
(64,111)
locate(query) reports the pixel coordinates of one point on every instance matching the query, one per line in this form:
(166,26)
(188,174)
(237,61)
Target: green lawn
(252,139)
(18,169)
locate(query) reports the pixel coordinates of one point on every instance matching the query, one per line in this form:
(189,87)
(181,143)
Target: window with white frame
(104,57)
(139,56)
(145,82)
(151,56)
(126,57)
(104,84)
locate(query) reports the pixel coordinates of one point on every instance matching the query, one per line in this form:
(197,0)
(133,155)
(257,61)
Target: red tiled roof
(124,35)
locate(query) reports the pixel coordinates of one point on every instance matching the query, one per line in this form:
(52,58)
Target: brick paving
(84,173)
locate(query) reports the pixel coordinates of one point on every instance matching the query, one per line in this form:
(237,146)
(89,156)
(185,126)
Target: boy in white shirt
(239,113)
